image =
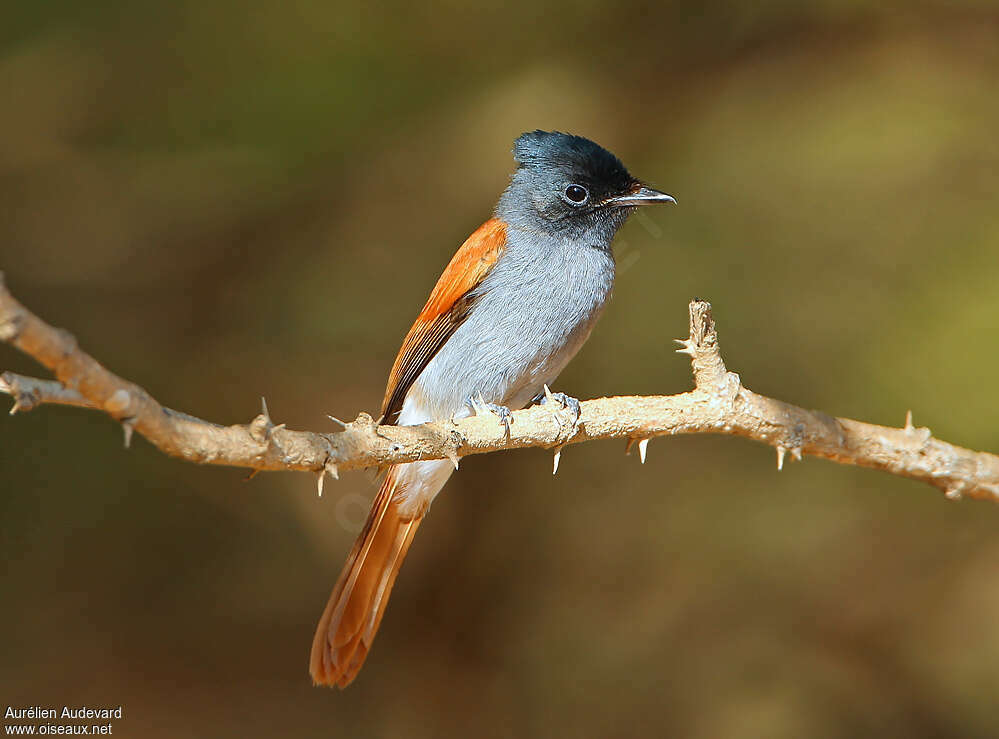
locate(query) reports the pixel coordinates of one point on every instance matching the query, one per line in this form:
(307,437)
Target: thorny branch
(719,403)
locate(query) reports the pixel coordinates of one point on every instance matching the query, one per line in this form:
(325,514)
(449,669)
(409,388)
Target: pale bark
(719,403)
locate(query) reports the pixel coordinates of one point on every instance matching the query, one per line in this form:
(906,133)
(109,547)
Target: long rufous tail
(355,608)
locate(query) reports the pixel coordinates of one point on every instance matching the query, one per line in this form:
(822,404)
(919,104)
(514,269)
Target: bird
(511,309)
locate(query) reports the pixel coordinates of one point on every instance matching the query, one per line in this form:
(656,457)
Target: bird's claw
(478,405)
(504,414)
(568,403)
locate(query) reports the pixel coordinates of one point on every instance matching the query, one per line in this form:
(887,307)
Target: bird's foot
(568,403)
(478,406)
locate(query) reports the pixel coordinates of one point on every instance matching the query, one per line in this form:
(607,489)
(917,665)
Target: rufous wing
(447,308)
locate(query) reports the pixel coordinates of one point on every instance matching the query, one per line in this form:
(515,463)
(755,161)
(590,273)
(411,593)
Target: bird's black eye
(576,194)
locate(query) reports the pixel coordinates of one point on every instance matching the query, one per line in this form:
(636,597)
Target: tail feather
(354,612)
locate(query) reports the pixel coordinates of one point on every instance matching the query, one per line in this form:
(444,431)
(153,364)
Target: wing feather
(447,308)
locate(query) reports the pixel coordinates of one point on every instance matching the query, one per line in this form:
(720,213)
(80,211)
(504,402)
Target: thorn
(16,407)
(643,445)
(128,426)
(453,456)
(279,427)
(796,453)
(330,467)
(548,395)
(263,409)
(319,481)
(688,346)
(780,457)
(629,445)
(334,419)
(921,435)
(253,473)
(558,457)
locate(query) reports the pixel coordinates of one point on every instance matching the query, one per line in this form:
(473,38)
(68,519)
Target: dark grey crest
(562,151)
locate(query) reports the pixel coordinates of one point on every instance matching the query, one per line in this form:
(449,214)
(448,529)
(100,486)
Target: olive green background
(224,200)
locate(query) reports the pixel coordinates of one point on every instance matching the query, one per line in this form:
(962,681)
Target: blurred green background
(226,200)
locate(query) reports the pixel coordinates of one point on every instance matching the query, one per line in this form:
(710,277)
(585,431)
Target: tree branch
(31,392)
(719,403)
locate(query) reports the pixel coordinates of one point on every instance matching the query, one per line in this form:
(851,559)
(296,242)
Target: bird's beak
(641,195)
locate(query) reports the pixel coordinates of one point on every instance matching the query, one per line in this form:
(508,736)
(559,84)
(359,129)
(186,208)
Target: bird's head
(569,186)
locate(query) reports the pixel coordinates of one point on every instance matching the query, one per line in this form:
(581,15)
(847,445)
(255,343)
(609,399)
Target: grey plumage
(534,311)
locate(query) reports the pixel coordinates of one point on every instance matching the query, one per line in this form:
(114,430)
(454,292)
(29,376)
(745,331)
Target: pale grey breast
(535,310)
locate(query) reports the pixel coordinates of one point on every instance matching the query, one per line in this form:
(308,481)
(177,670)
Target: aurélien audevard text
(73,712)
